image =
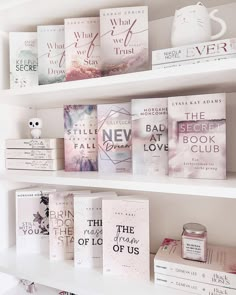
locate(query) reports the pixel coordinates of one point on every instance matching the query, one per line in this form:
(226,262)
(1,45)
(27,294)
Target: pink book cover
(126,238)
(80,126)
(32,225)
(124,40)
(88,229)
(219,269)
(82,44)
(197,136)
(150,136)
(114,138)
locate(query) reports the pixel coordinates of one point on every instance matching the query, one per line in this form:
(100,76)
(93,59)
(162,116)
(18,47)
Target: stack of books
(194,54)
(35,154)
(215,276)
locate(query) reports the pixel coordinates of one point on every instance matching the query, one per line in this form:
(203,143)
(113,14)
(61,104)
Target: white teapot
(192,24)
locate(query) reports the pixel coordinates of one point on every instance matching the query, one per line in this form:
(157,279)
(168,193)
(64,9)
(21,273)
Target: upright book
(197,136)
(150,136)
(82,43)
(114,138)
(126,237)
(80,125)
(88,229)
(218,270)
(32,223)
(23,59)
(124,40)
(51,54)
(61,224)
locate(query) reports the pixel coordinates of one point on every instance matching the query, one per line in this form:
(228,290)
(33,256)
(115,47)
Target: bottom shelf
(41,290)
(63,276)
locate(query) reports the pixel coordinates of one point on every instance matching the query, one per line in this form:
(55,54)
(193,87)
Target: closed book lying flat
(218,270)
(47,165)
(194,51)
(191,286)
(41,143)
(34,154)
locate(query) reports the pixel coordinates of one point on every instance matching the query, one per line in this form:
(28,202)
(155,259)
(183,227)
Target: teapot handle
(221,22)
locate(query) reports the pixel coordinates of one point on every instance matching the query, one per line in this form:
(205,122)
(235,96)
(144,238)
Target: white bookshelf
(211,202)
(169,185)
(63,276)
(206,77)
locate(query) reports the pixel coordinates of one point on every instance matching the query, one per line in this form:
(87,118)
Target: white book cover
(41,143)
(41,165)
(124,40)
(51,54)
(126,249)
(114,138)
(32,223)
(61,224)
(88,242)
(197,136)
(150,136)
(23,59)
(34,154)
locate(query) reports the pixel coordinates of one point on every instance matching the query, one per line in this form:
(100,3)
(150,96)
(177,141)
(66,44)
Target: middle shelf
(210,77)
(179,186)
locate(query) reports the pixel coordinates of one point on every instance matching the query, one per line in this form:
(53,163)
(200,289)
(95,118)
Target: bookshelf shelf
(62,275)
(179,186)
(211,77)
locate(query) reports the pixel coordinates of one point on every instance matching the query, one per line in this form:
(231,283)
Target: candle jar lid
(194,228)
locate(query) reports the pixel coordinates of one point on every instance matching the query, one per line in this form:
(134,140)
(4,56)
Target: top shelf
(210,77)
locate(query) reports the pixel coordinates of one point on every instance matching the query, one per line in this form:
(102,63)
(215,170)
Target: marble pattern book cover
(114,138)
(51,54)
(150,136)
(197,136)
(23,59)
(126,249)
(80,125)
(32,225)
(88,229)
(82,43)
(124,40)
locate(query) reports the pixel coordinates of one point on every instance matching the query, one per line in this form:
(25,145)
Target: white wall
(13,122)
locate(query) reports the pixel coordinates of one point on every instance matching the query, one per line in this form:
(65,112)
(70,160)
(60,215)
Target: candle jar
(194,242)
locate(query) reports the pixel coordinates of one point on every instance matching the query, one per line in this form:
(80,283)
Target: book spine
(191,286)
(35,143)
(202,50)
(192,61)
(23,164)
(202,275)
(34,154)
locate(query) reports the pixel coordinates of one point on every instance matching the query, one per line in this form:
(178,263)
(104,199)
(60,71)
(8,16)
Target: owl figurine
(35,124)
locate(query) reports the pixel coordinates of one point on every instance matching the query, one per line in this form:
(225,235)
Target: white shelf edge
(63,276)
(178,186)
(218,76)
